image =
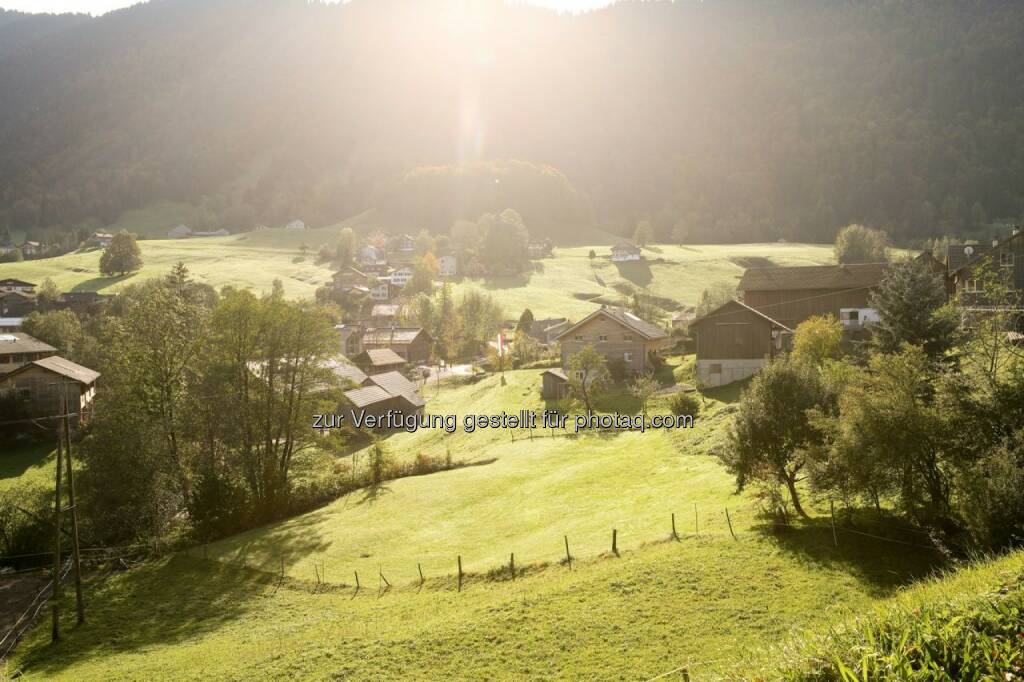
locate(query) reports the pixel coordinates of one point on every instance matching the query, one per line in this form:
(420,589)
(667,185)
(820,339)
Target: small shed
(554,384)
(379,360)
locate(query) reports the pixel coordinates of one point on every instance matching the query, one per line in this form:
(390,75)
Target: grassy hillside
(568,285)
(572,285)
(223,612)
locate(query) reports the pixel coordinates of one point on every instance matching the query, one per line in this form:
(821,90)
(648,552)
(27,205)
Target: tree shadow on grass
(883,565)
(100,283)
(507,281)
(159,604)
(638,272)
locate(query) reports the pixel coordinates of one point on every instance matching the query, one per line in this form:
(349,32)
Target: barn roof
(19,342)
(62,367)
(382,357)
(389,335)
(848,276)
(720,311)
(626,319)
(369,395)
(396,384)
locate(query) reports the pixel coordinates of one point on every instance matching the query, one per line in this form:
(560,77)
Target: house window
(602,337)
(628,356)
(973,286)
(1006,259)
(627,337)
(579,337)
(579,375)
(716,368)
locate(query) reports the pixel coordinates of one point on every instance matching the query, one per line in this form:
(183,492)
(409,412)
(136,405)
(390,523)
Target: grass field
(568,285)
(31,463)
(705,601)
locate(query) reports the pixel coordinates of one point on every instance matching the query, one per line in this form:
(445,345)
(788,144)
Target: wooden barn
(734,341)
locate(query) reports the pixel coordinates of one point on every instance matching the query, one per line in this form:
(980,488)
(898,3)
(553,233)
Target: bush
(685,402)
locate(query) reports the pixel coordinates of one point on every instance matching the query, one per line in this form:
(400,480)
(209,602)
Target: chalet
(9,325)
(102,239)
(448,265)
(734,341)
(401,276)
(16,304)
(44,382)
(554,384)
(790,295)
(379,360)
(412,344)
(384,314)
(625,252)
(29,249)
(295,225)
(683,318)
(401,244)
(383,290)
(619,335)
(17,349)
(1005,256)
(179,232)
(16,286)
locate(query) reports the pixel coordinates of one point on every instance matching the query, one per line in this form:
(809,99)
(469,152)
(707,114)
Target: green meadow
(570,284)
(704,601)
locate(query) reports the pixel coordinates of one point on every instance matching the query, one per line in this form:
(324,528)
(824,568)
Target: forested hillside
(718,121)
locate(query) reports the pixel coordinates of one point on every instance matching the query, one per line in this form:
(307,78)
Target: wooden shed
(734,341)
(554,384)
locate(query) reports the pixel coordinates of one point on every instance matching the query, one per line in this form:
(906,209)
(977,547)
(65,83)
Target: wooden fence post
(729,521)
(459,559)
(615,544)
(568,557)
(832,509)
(419,567)
(675,536)
(512,564)
(696,520)
(357,581)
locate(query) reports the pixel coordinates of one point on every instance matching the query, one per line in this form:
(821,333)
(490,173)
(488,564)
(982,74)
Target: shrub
(685,402)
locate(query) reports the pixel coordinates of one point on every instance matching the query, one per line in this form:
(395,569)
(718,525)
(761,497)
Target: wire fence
(439,569)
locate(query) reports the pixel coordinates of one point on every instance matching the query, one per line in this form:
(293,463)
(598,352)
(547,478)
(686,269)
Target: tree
(859,244)
(911,305)
(345,250)
(424,243)
(588,374)
(643,233)
(818,339)
(772,434)
(525,324)
(592,255)
(422,279)
(121,256)
(48,293)
(59,328)
(643,387)
(717,296)
(504,247)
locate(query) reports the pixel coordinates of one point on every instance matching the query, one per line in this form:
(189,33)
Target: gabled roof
(346,371)
(625,246)
(626,319)
(62,367)
(557,373)
(396,384)
(849,276)
(383,357)
(361,397)
(720,311)
(391,335)
(385,310)
(11,282)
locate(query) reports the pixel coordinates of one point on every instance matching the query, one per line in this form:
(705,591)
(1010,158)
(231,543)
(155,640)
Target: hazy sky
(101,6)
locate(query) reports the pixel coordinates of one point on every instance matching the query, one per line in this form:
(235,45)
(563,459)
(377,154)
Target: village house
(346,371)
(43,383)
(734,341)
(401,245)
(401,276)
(378,361)
(383,290)
(790,295)
(625,252)
(412,344)
(17,349)
(16,286)
(683,318)
(546,331)
(102,239)
(448,265)
(1004,256)
(619,335)
(212,233)
(179,232)
(295,225)
(351,338)
(16,303)
(370,255)
(31,249)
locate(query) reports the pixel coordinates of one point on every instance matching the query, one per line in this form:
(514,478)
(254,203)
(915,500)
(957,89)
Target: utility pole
(55,595)
(76,557)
